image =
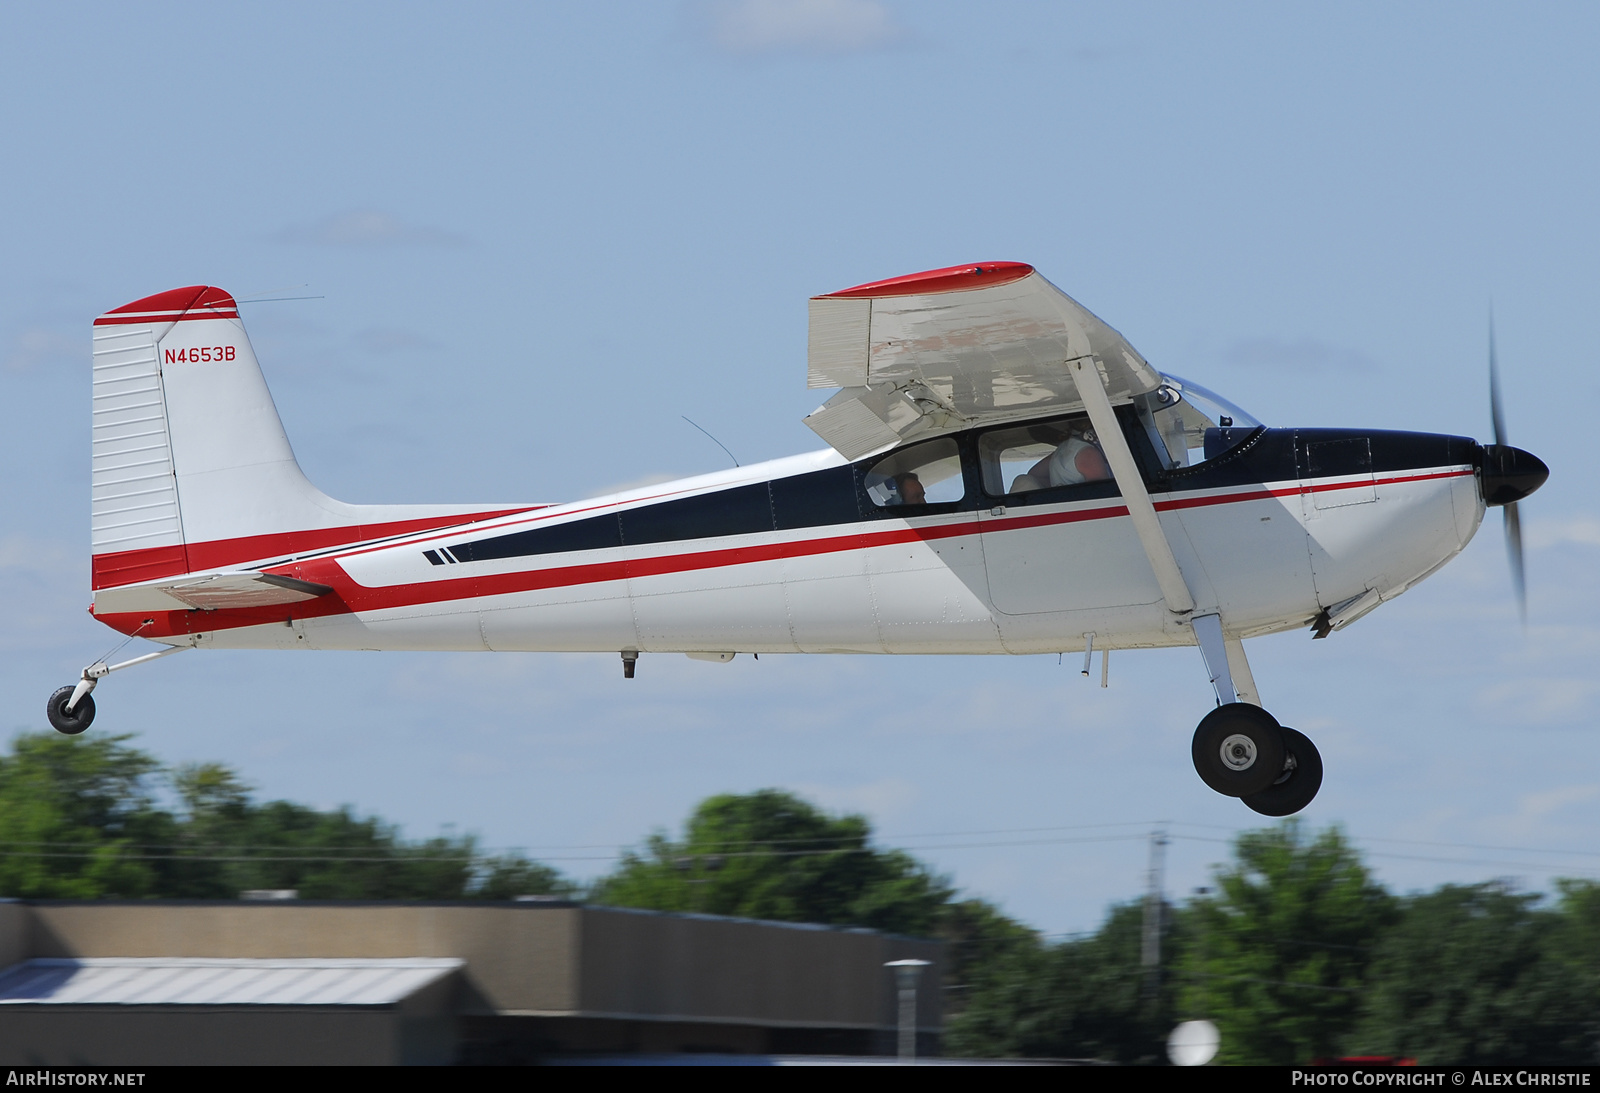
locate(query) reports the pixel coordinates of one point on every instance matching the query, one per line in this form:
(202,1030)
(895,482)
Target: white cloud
(1547,801)
(1532,700)
(1546,816)
(367,228)
(24,554)
(1580,530)
(39,345)
(394,340)
(807,26)
(1301,354)
(884,798)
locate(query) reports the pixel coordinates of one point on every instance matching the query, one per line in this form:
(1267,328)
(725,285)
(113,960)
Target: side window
(1042,456)
(924,474)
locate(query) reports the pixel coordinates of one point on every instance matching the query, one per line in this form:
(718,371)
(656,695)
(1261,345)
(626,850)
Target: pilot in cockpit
(1076,459)
(909,489)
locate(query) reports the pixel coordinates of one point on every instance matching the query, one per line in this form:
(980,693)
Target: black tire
(1253,744)
(80,717)
(1299,782)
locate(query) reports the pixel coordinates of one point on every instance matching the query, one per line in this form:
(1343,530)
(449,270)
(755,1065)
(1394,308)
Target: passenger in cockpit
(1076,459)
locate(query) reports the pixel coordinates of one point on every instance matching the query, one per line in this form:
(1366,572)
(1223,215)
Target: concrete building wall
(527,959)
(519,957)
(644,964)
(16,924)
(206,1035)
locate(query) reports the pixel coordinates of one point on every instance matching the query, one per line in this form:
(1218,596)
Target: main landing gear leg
(71,709)
(1239,749)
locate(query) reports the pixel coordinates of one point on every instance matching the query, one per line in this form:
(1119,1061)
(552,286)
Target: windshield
(1190,424)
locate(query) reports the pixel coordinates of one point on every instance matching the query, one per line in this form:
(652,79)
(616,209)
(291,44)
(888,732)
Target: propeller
(1513,522)
(1509,475)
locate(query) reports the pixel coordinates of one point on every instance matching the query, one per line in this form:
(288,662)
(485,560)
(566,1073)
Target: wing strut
(1224,656)
(1145,522)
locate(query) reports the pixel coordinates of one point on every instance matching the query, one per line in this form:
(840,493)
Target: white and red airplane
(1005,474)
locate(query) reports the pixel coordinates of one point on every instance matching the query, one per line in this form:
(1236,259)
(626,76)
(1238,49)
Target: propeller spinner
(1507,475)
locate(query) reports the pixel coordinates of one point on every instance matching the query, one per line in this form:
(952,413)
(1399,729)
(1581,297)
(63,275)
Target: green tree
(1085,998)
(336,855)
(1281,952)
(979,939)
(1574,945)
(511,875)
(78,820)
(1478,974)
(73,816)
(771,855)
(1575,940)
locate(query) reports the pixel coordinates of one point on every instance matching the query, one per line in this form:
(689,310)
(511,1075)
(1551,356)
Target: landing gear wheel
(1299,782)
(71,722)
(1238,749)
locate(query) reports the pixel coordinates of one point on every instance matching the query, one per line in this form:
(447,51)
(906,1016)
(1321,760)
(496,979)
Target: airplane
(1004,474)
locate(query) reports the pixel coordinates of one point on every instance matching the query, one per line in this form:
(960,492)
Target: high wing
(951,348)
(217,591)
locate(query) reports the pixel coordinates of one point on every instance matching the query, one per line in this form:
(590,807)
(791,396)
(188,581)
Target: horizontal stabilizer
(218,591)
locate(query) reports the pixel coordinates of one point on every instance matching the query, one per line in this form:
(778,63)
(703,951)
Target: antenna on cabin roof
(714,440)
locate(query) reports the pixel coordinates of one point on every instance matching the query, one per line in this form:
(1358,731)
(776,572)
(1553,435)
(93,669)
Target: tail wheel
(70,722)
(1238,749)
(1299,782)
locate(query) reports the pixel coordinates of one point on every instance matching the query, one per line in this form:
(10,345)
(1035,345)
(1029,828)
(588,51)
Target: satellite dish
(1193,1043)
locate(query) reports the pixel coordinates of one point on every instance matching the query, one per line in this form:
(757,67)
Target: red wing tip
(949,279)
(176,303)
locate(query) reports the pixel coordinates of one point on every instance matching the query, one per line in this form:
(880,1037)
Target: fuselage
(802,555)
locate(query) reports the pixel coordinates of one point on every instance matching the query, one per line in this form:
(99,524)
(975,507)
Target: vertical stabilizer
(192,469)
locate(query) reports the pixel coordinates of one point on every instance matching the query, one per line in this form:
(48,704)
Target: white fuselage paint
(1267,558)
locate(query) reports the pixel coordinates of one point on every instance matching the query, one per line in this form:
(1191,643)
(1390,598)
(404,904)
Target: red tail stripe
(150,563)
(948,279)
(174,305)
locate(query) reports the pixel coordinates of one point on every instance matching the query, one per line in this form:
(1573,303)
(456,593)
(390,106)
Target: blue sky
(542,234)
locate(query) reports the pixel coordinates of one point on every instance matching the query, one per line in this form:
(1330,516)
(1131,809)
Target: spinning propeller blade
(1494,389)
(1514,554)
(1513,521)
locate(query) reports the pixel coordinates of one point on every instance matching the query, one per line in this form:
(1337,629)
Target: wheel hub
(1238,752)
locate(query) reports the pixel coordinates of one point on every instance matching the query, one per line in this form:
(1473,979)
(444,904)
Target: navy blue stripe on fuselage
(835,496)
(816,499)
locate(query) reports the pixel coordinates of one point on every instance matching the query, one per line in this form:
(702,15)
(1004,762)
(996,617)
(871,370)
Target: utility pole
(1205,970)
(1154,904)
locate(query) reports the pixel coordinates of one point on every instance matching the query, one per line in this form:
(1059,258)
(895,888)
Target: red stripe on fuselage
(349,597)
(1291,491)
(124,567)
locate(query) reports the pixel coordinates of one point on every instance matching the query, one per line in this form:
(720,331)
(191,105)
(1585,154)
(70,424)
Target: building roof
(207,981)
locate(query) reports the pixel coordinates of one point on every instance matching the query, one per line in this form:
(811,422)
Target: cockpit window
(1041,456)
(923,474)
(1190,425)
